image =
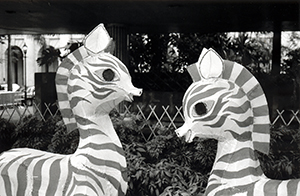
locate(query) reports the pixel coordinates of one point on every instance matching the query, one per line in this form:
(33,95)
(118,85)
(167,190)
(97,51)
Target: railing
(287,117)
(155,117)
(16,112)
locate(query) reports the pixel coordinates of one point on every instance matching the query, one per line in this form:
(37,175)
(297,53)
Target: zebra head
(224,102)
(92,81)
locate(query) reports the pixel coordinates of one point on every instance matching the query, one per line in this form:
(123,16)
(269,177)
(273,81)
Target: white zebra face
(215,109)
(102,82)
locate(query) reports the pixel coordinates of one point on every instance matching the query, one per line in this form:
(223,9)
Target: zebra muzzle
(134,92)
(186,133)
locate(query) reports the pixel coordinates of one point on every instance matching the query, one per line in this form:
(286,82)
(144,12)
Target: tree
(251,49)
(150,64)
(291,71)
(190,46)
(48,55)
(163,57)
(147,52)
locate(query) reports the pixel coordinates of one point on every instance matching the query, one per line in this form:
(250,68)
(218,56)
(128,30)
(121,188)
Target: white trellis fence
(17,112)
(287,117)
(154,116)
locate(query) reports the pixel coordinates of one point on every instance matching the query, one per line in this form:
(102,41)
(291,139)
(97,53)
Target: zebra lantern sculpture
(226,102)
(90,82)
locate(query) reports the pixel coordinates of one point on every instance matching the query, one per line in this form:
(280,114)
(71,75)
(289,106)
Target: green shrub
(63,142)
(50,135)
(6,135)
(165,165)
(34,133)
(283,161)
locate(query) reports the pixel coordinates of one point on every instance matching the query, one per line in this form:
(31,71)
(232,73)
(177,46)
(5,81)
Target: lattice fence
(155,117)
(287,117)
(17,112)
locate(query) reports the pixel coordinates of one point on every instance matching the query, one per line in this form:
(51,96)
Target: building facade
(23,67)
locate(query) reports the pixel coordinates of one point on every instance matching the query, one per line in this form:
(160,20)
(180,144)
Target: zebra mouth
(188,136)
(129,98)
(133,92)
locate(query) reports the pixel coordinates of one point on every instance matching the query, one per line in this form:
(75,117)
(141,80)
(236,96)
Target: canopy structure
(122,17)
(151,16)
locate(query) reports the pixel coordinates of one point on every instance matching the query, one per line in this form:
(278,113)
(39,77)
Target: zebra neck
(235,162)
(98,139)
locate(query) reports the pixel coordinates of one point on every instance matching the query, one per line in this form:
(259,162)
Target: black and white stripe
(86,96)
(228,104)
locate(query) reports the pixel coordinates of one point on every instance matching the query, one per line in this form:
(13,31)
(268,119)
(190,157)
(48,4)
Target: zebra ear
(193,69)
(210,64)
(97,40)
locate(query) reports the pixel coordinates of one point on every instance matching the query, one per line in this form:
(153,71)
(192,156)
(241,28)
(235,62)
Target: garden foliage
(163,165)
(6,135)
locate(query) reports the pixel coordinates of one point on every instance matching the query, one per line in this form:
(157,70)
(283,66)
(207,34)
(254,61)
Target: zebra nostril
(177,133)
(137,92)
(140,91)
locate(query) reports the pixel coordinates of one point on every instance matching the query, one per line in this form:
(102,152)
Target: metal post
(25,76)
(9,71)
(275,72)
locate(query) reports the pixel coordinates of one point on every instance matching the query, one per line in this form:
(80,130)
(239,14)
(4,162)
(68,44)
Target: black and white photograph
(149,97)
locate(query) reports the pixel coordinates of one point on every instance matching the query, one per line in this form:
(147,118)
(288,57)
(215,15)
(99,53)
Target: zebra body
(243,174)
(225,102)
(21,171)
(90,83)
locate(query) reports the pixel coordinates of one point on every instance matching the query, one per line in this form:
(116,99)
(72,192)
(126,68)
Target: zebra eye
(108,75)
(200,108)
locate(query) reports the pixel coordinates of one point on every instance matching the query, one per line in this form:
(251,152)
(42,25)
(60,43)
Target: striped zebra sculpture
(225,102)
(90,82)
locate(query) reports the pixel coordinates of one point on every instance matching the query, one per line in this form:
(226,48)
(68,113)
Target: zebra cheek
(197,127)
(200,131)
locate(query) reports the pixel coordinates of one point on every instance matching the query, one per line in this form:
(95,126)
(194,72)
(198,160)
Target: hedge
(164,165)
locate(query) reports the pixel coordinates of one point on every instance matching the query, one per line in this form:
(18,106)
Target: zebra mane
(210,65)
(96,42)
